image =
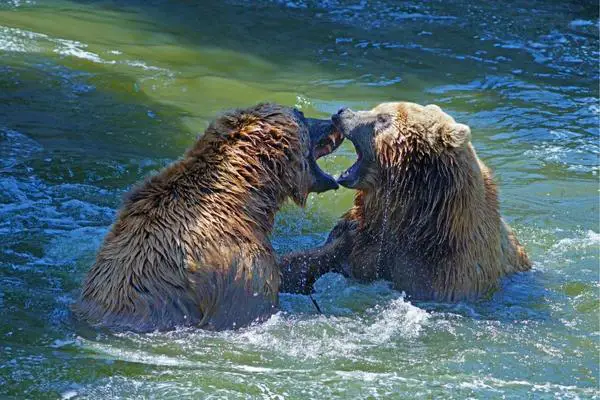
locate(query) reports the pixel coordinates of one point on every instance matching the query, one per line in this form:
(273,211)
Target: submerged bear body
(191,245)
(426,215)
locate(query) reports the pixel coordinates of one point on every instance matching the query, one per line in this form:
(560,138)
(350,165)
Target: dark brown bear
(426,213)
(191,246)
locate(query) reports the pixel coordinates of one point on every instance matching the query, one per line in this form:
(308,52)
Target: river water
(96,95)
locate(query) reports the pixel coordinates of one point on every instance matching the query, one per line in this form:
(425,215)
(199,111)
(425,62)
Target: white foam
(78,50)
(17,40)
(477,384)
(144,66)
(22,41)
(588,239)
(575,159)
(137,356)
(580,22)
(398,319)
(69,394)
(335,336)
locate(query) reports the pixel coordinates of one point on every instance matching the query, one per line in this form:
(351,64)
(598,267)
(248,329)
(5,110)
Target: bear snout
(343,115)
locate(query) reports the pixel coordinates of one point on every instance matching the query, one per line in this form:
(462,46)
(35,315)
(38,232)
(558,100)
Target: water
(96,95)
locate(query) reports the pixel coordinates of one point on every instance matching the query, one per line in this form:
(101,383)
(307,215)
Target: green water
(96,95)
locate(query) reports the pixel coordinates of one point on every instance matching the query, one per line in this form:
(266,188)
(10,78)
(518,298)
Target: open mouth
(351,176)
(328,143)
(325,139)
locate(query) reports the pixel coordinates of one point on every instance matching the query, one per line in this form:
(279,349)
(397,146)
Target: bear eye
(384,120)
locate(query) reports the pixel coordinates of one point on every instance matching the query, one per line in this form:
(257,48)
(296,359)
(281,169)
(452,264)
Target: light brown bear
(191,246)
(426,212)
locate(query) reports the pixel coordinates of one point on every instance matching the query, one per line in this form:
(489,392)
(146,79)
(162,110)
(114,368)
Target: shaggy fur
(426,212)
(191,245)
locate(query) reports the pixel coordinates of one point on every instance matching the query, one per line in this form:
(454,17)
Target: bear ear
(456,135)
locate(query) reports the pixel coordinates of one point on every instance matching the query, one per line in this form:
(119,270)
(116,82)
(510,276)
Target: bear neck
(243,202)
(433,209)
(230,200)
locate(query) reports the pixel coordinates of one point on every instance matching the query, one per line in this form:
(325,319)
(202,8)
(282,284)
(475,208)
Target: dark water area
(96,95)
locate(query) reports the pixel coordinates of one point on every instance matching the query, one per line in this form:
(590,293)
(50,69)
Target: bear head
(272,149)
(403,139)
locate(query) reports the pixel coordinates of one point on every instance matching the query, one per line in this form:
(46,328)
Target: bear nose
(343,113)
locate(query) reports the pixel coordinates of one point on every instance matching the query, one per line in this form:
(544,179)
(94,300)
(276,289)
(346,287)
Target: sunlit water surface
(96,95)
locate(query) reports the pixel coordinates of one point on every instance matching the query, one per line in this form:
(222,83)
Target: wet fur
(191,245)
(435,206)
